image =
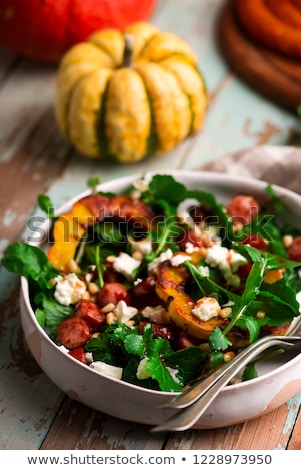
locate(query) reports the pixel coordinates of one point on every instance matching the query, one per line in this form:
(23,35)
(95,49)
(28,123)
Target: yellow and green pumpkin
(124,95)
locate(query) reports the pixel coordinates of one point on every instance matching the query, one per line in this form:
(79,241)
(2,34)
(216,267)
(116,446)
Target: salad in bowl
(155,280)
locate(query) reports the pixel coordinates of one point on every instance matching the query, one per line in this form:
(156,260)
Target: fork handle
(204,394)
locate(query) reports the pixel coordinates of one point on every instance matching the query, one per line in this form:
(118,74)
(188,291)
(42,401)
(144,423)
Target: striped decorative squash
(125,95)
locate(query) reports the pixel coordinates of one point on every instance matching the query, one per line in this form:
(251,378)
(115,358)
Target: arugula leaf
(218,341)
(159,372)
(277,202)
(250,372)
(271,260)
(51,313)
(165,188)
(251,324)
(207,286)
(109,346)
(92,183)
(216,358)
(30,262)
(187,361)
(46,205)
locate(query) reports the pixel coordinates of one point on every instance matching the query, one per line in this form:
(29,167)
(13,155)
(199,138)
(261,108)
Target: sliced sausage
(73,332)
(112,292)
(294,250)
(243,209)
(90,312)
(79,354)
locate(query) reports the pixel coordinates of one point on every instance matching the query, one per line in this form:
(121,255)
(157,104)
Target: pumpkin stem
(128,50)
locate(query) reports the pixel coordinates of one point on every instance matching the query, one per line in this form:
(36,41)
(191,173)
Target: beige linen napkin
(274,164)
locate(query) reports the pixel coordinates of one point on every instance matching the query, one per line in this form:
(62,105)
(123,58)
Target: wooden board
(275,76)
(34,159)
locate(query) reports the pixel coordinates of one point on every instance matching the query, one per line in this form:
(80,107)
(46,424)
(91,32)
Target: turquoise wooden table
(34,413)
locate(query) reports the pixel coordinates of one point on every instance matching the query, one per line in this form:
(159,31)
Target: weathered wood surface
(33,159)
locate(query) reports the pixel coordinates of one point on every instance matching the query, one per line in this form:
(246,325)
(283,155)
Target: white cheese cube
(69,289)
(124,312)
(156,314)
(206,308)
(142,372)
(204,270)
(143,246)
(236,260)
(126,265)
(153,265)
(107,369)
(179,259)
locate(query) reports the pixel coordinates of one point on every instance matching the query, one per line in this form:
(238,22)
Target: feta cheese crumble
(206,308)
(125,264)
(69,289)
(156,314)
(228,261)
(179,259)
(191,248)
(124,312)
(143,246)
(142,372)
(153,265)
(107,369)
(204,270)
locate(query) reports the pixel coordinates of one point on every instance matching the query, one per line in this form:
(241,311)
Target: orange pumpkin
(44,30)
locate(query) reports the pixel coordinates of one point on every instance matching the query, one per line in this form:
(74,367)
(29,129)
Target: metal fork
(194,401)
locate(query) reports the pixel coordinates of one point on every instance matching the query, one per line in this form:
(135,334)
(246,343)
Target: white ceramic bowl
(279,379)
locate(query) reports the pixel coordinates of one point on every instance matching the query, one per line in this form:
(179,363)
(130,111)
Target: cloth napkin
(275,164)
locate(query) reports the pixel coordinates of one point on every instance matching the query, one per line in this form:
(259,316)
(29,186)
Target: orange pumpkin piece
(70,227)
(170,284)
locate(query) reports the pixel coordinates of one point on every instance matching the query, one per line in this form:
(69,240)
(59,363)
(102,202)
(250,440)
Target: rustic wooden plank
(29,171)
(28,398)
(33,159)
(295,440)
(268,432)
(79,427)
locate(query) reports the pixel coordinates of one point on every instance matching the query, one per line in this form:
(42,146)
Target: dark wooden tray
(276,77)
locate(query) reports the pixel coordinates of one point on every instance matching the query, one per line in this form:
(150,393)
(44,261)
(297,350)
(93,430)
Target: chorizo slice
(112,293)
(73,332)
(243,209)
(91,313)
(79,354)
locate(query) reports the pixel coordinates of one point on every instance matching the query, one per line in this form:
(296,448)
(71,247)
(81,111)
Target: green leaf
(52,314)
(251,324)
(41,317)
(250,372)
(92,183)
(30,262)
(187,361)
(158,347)
(216,358)
(254,281)
(166,188)
(207,287)
(134,344)
(218,341)
(160,373)
(277,202)
(46,205)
